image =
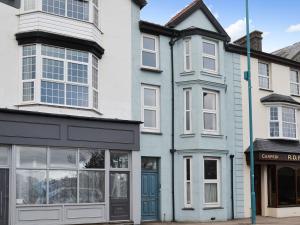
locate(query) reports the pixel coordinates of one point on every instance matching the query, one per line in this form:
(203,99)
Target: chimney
(255,40)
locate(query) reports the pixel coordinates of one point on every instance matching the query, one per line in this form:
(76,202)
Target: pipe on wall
(232,187)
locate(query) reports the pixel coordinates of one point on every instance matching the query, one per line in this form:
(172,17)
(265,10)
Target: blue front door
(150,189)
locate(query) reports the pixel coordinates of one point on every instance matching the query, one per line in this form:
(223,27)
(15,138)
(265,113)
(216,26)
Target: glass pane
(31,187)
(56,7)
(63,158)
(29,50)
(289,130)
(149,59)
(188,193)
(28,91)
(272,186)
(53,69)
(149,118)
(264,82)
(119,185)
(209,48)
(149,163)
(77,73)
(209,64)
(53,93)
(188,62)
(187,100)
(188,169)
(187,47)
(209,101)
(78,9)
(77,95)
(286,186)
(3,156)
(149,97)
(210,121)
(91,186)
(53,51)
(29,68)
(294,76)
(211,193)
(210,169)
(31,157)
(288,115)
(91,159)
(62,186)
(119,160)
(274,113)
(263,69)
(274,129)
(295,89)
(78,56)
(188,120)
(149,43)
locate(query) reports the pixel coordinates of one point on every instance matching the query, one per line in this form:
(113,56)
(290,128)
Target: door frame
(158,160)
(11,177)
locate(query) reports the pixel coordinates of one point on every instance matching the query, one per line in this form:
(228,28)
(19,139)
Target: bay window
(187,110)
(294,82)
(264,75)
(210,56)
(210,112)
(211,182)
(59,76)
(187,55)
(59,176)
(151,108)
(187,182)
(283,122)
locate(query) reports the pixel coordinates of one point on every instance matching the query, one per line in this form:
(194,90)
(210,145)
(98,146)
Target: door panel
(119,196)
(4,196)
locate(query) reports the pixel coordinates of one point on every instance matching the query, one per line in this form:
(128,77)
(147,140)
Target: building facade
(69,149)
(187,91)
(275,88)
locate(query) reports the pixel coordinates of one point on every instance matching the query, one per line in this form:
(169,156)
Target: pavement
(260,221)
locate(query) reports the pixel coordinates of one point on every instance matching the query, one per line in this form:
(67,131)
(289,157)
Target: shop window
(272,187)
(3,156)
(119,160)
(286,186)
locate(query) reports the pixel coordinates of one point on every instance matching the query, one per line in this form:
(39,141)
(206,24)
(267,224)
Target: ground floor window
(211,181)
(283,186)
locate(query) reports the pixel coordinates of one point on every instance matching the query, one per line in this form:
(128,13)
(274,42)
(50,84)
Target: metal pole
(253,200)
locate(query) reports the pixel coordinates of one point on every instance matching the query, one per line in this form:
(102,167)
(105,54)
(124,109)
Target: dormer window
(283,122)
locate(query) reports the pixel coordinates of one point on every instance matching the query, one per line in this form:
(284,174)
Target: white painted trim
(154,108)
(188,42)
(216,111)
(216,181)
(156,51)
(215,57)
(186,204)
(185,110)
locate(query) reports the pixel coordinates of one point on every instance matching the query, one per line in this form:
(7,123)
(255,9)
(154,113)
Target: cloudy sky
(278,19)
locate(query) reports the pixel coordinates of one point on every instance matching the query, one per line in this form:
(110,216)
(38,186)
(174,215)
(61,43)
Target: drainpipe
(232,188)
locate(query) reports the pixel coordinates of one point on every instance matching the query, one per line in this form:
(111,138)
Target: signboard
(283,157)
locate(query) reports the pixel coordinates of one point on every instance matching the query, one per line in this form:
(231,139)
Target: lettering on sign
(279,157)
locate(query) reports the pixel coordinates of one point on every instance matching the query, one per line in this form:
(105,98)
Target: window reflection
(91,159)
(119,160)
(119,185)
(63,158)
(32,157)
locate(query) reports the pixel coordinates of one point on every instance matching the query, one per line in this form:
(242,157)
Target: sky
(278,19)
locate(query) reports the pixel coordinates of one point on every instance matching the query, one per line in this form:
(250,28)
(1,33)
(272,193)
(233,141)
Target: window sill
(151,132)
(187,73)
(187,135)
(212,135)
(212,208)
(264,89)
(153,70)
(188,209)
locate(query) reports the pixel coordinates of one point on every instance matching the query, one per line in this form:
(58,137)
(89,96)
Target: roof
(279,98)
(290,52)
(34,113)
(140,3)
(284,146)
(189,10)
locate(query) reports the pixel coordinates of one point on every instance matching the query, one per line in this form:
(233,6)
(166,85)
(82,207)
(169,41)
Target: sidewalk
(260,221)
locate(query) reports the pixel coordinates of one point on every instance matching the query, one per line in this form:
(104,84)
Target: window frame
(295,83)
(185,110)
(212,181)
(156,51)
(187,43)
(280,121)
(263,76)
(210,111)
(39,78)
(186,181)
(215,57)
(156,108)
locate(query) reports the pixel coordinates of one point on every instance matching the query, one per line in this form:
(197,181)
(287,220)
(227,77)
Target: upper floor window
(187,110)
(151,108)
(187,55)
(264,75)
(210,56)
(96,12)
(211,182)
(295,83)
(210,112)
(283,122)
(59,76)
(150,51)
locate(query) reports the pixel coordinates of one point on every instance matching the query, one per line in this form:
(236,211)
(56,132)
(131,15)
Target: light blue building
(187,90)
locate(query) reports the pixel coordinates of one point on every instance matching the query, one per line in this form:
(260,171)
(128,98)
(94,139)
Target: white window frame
(216,111)
(215,57)
(156,51)
(185,110)
(263,76)
(39,78)
(295,83)
(280,120)
(190,181)
(215,181)
(187,43)
(153,108)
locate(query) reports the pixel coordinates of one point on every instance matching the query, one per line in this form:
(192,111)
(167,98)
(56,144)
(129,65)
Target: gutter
(232,188)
